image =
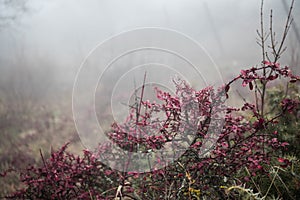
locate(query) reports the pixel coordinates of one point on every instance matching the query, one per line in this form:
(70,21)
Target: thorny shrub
(66,176)
(245,146)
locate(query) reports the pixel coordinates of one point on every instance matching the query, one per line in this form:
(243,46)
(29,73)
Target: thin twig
(45,165)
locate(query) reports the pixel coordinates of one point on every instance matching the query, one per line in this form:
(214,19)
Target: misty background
(43,43)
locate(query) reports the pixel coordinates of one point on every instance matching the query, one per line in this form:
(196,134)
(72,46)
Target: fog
(43,48)
(65,31)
